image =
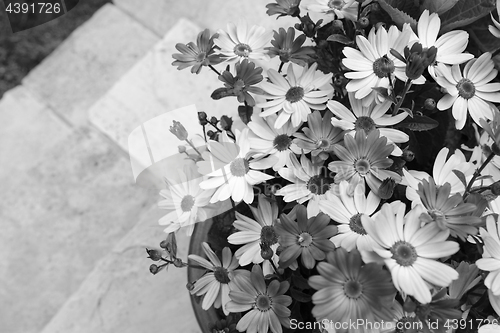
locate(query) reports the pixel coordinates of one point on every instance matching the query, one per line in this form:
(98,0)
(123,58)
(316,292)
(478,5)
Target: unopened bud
(164,244)
(337,24)
(266,252)
(408,155)
(495,148)
(409,305)
(363,22)
(386,189)
(430,104)
(495,188)
(181,149)
(202,117)
(190,286)
(154,269)
(214,120)
(178,263)
(155,255)
(211,134)
(179,131)
(226,123)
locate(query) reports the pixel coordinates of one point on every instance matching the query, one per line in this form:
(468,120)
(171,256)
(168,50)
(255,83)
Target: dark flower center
(239,85)
(282,142)
(268,235)
(221,275)
(187,203)
(383,67)
(242,50)
(201,56)
(305,239)
(362,166)
(356,225)
(353,289)
(263,303)
(336,4)
(466,88)
(404,253)
(294,94)
(364,123)
(239,167)
(319,184)
(323,144)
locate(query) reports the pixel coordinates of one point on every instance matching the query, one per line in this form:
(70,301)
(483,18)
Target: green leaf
(418,123)
(399,17)
(299,296)
(460,175)
(438,6)
(245,112)
(340,39)
(465,12)
(482,37)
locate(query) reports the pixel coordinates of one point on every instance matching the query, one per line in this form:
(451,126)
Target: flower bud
(386,189)
(155,255)
(214,120)
(408,155)
(178,263)
(190,286)
(164,244)
(202,117)
(495,148)
(495,188)
(363,22)
(266,252)
(430,104)
(226,123)
(181,149)
(154,269)
(179,131)
(337,24)
(418,59)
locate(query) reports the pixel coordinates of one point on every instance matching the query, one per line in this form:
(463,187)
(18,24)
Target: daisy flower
(186,200)
(290,49)
(441,174)
(196,55)
(368,118)
(449,46)
(239,42)
(373,64)
(332,9)
(307,238)
(217,283)
(347,210)
(348,290)
(283,8)
(448,212)
(309,183)
(471,91)
(253,232)
(363,159)
(265,139)
(409,249)
(234,173)
(294,96)
(267,304)
(320,135)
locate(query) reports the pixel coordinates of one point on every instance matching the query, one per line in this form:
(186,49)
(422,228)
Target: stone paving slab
(161,15)
(120,295)
(89,62)
(63,210)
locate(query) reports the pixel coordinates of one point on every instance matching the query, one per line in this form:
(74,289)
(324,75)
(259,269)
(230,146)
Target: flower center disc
(353,289)
(323,144)
(282,142)
(294,94)
(364,123)
(304,239)
(263,302)
(362,166)
(239,167)
(439,217)
(336,4)
(221,275)
(404,253)
(356,225)
(242,50)
(383,67)
(201,56)
(319,185)
(268,235)
(466,88)
(187,203)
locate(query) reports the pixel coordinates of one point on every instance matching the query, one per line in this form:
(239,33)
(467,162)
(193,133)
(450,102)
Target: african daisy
(332,9)
(471,91)
(294,96)
(408,249)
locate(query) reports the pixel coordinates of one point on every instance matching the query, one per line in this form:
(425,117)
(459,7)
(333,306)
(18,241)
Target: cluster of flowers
(364,182)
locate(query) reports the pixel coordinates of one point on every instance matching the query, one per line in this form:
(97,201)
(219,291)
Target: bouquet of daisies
(360,181)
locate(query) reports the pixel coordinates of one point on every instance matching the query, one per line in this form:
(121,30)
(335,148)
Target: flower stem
(477,173)
(213,68)
(403,95)
(281,67)
(192,146)
(204,134)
